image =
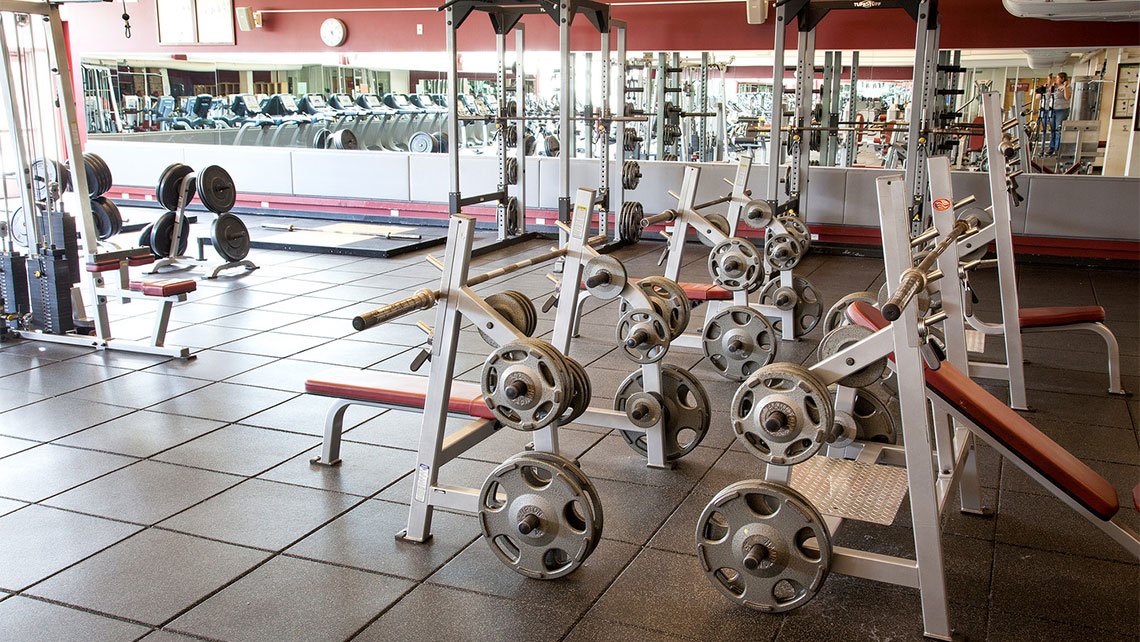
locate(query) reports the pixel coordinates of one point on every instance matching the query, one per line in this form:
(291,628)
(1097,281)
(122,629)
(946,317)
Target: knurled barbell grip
(912,280)
(421,300)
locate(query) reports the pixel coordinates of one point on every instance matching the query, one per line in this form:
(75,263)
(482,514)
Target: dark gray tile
(307,413)
(292,599)
(10,445)
(1123,476)
(36,542)
(58,378)
(259,320)
(45,351)
(328,327)
(203,336)
(594,629)
(212,365)
(1102,411)
(506,442)
(238,449)
(43,622)
(54,418)
(261,514)
(223,402)
(634,512)
(460,615)
(141,434)
(272,344)
(1110,444)
(168,636)
(613,458)
(285,374)
(364,537)
(9,505)
(145,493)
(1039,521)
(350,353)
(1026,582)
(121,359)
(669,593)
(150,577)
(138,389)
(477,568)
(363,470)
(1016,627)
(12,399)
(43,471)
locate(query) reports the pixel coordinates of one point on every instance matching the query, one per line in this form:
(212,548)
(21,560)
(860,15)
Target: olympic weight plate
(807,308)
(550,145)
(799,229)
(605,277)
(321,138)
(687,411)
(230,237)
(630,174)
(344,139)
(511,171)
(98,174)
(717,221)
(169,188)
(738,341)
(783,414)
(163,234)
(112,211)
(18,227)
(145,236)
(971,249)
(512,216)
(46,172)
(842,338)
(837,314)
(758,214)
(764,545)
(735,265)
(216,189)
(102,220)
(422,143)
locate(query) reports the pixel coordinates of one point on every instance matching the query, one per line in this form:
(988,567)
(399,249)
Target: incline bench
(1055,468)
(387,390)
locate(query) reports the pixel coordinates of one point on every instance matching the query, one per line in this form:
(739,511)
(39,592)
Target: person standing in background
(1045,112)
(1062,97)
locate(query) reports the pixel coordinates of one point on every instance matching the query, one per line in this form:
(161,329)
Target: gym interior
(666,320)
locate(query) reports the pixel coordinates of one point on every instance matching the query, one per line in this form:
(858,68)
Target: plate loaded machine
(766,543)
(169,236)
(547,529)
(808,14)
(41,293)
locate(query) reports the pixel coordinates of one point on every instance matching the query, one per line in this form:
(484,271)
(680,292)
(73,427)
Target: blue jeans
(1059,117)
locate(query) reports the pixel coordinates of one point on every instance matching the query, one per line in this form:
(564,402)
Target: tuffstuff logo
(866,4)
(942,204)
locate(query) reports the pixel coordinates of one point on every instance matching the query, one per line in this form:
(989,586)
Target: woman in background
(1062,97)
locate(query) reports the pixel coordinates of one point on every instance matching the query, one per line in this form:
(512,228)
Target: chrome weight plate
(581,391)
(739,341)
(526,384)
(971,249)
(783,414)
(644,335)
(343,139)
(687,411)
(717,221)
(802,298)
(216,189)
(764,545)
(837,314)
(735,265)
(782,251)
(757,214)
(583,480)
(230,237)
(537,517)
(842,338)
(604,277)
(47,173)
(18,227)
(793,224)
(675,308)
(511,309)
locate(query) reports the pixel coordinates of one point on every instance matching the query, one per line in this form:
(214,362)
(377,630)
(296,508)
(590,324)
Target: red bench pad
(702,291)
(164,287)
(1136,497)
(1052,317)
(105,266)
(1046,456)
(397,389)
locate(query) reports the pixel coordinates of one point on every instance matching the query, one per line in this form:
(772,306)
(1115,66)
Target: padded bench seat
(1046,456)
(113,264)
(397,389)
(1058,316)
(164,287)
(702,291)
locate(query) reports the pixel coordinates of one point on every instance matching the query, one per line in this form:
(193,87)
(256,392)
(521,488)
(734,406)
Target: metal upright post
(852,110)
(833,108)
(565,134)
(453,111)
(501,94)
(801,157)
(703,137)
(776,120)
(618,198)
(603,129)
(922,87)
(588,99)
(825,119)
(520,125)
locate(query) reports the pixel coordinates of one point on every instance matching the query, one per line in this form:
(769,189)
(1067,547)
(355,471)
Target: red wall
(965,24)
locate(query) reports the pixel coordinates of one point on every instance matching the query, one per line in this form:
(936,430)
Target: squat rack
(808,15)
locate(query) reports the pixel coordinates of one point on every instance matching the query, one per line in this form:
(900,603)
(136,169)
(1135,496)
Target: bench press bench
(390,390)
(1058,470)
(702,291)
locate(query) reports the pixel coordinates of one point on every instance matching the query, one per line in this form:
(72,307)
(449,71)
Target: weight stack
(63,231)
(49,282)
(13,285)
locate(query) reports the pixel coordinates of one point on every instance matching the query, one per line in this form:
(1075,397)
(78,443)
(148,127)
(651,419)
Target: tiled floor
(159,499)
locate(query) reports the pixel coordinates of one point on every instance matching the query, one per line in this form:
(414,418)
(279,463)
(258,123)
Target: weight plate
(717,221)
(675,306)
(145,236)
(582,392)
(877,415)
(757,214)
(583,481)
(842,338)
(512,216)
(526,384)
(735,265)
(605,277)
(687,414)
(550,145)
(511,171)
(630,174)
(163,233)
(230,237)
(216,189)
(169,189)
(764,545)
(422,143)
(537,517)
(101,220)
(783,251)
(531,320)
(644,335)
(783,414)
(112,211)
(799,230)
(18,227)
(47,172)
(530,144)
(344,139)
(97,172)
(739,341)
(321,138)
(970,249)
(807,308)
(510,136)
(837,314)
(632,214)
(511,309)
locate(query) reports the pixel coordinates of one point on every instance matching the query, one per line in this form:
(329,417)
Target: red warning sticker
(942,204)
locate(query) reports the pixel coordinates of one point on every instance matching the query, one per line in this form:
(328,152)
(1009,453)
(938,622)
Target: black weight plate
(101,219)
(216,189)
(344,139)
(113,213)
(231,238)
(162,235)
(108,178)
(49,171)
(96,170)
(145,236)
(170,185)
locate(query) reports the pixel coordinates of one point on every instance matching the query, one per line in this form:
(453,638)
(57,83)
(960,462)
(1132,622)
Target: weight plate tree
(230,237)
